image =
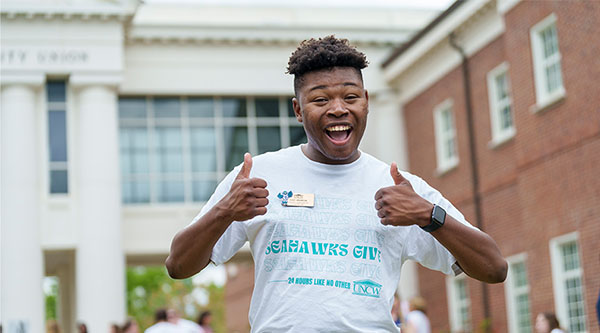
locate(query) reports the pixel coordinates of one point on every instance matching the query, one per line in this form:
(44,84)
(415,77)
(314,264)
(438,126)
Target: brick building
(502,115)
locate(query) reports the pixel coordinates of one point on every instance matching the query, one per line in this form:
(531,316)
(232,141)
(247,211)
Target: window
(566,280)
(56,92)
(176,149)
(546,62)
(445,137)
(517,295)
(459,303)
(500,104)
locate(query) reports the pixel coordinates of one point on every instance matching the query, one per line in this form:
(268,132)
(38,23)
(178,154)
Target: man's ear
(297,110)
(367,95)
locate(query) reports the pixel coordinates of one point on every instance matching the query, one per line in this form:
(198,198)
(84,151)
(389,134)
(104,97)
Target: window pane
(57,91)
(236,144)
(203,189)
(132,108)
(523,313)
(59,181)
(519,274)
(234,107)
(290,108)
(297,135)
(170,191)
(136,191)
(167,108)
(201,107)
(134,150)
(168,149)
(553,77)
(501,86)
(575,305)
(269,139)
(549,41)
(505,118)
(57,132)
(570,256)
(267,107)
(204,155)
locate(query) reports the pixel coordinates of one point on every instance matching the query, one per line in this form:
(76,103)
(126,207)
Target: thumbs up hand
(247,197)
(400,205)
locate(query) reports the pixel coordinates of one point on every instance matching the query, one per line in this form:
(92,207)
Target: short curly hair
(327,52)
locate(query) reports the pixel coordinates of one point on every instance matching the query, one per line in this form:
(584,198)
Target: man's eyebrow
(324,86)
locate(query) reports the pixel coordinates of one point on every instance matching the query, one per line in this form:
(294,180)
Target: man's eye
(320,100)
(351,97)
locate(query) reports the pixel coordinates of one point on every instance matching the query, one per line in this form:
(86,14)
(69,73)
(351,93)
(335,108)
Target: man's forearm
(192,247)
(475,251)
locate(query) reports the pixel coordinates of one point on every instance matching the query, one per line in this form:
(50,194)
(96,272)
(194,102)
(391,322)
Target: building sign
(61,59)
(17,57)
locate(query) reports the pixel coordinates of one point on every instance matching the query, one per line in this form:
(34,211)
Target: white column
(100,262)
(22,259)
(385,137)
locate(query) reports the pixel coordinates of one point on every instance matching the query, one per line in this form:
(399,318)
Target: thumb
(396,176)
(246,167)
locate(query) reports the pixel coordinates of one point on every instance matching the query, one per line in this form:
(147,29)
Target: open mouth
(338,133)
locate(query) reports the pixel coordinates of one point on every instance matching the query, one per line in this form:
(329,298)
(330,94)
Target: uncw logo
(366,288)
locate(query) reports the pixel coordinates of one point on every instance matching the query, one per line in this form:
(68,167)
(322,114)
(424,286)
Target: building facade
(502,116)
(119,118)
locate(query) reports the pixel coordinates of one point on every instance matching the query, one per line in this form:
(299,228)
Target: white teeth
(338,128)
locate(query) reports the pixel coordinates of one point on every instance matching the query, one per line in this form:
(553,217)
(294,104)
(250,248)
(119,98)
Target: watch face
(439,215)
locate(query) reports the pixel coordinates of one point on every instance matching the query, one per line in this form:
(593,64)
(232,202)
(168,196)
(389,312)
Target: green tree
(51,300)
(150,288)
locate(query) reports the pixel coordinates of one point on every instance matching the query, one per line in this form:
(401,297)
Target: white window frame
(511,292)
(559,275)
(543,98)
(454,304)
(444,163)
(499,135)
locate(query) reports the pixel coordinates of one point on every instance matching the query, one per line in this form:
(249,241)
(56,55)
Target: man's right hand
(247,197)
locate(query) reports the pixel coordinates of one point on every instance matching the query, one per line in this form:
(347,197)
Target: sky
(426,4)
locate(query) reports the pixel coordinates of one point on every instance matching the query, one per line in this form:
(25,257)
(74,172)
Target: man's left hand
(400,205)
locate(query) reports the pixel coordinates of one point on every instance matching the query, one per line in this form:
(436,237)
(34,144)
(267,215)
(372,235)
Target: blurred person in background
(82,328)
(51,326)
(416,319)
(546,322)
(130,326)
(396,314)
(161,324)
(114,328)
(204,321)
(184,325)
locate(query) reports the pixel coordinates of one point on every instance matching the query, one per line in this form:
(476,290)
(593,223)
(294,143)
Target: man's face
(333,106)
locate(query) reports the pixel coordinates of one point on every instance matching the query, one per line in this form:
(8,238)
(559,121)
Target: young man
(330,226)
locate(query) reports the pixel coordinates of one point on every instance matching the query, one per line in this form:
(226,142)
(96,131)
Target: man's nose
(338,108)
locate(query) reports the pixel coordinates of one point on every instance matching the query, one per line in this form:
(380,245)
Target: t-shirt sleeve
(235,236)
(421,246)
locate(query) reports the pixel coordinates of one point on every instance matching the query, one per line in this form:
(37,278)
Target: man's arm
(192,247)
(475,251)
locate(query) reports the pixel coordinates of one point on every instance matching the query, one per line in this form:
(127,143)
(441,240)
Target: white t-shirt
(188,326)
(332,267)
(419,321)
(163,327)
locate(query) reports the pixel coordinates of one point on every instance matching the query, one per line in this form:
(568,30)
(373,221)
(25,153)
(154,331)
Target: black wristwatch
(438,217)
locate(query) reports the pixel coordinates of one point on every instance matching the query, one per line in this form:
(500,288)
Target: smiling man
(330,226)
